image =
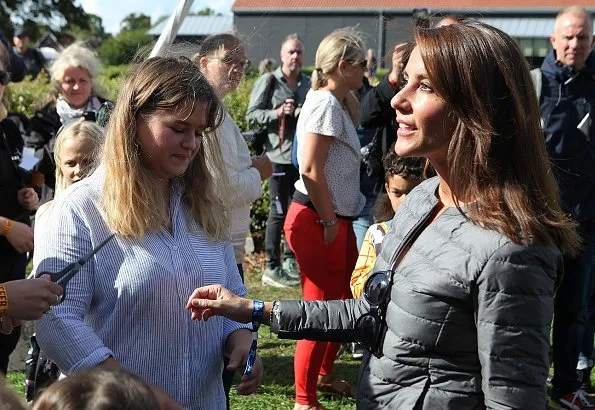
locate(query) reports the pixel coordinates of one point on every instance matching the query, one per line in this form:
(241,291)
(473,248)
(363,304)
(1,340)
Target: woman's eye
(425,87)
(178,130)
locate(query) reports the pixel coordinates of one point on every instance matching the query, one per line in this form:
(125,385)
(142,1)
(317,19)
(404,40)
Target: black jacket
(376,113)
(12,179)
(566,98)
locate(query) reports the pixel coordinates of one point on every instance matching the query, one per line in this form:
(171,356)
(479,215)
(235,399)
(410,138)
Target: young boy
(401,175)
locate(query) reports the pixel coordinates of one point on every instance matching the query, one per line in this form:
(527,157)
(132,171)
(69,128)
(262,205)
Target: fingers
(56,289)
(249,384)
(205,292)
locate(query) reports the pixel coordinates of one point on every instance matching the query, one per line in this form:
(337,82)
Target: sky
(113,11)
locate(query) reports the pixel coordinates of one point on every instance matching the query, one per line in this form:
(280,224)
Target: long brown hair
(497,155)
(130,202)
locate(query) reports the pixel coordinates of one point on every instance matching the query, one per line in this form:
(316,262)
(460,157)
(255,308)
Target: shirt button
(174,248)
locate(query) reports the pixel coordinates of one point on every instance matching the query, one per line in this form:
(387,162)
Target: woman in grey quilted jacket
(474,254)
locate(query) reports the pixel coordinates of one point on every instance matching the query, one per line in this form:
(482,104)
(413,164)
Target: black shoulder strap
(271,89)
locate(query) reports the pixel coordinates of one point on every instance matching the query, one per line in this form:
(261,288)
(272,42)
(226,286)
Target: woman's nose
(399,101)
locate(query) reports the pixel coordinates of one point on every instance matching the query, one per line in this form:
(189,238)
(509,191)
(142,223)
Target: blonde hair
(574,11)
(77,55)
(78,129)
(130,203)
(342,44)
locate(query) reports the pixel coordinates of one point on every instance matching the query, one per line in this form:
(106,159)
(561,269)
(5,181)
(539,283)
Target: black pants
(281,190)
(13,268)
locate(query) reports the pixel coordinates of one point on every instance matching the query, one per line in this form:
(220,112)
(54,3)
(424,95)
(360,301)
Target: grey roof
(524,27)
(198,26)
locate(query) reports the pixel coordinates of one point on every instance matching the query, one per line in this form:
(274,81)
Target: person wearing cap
(33,59)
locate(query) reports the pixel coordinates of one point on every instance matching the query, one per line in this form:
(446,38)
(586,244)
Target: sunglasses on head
(4,77)
(368,327)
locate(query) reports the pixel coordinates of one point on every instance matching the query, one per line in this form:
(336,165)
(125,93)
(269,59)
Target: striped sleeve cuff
(94,359)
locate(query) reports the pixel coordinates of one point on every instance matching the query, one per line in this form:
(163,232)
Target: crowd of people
(441,219)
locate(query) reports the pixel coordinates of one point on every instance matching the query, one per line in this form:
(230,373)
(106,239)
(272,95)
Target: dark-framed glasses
(368,327)
(230,61)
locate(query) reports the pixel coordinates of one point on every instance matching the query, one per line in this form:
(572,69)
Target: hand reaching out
(215,300)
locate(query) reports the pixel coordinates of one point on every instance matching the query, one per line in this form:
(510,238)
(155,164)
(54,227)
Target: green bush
(125,47)
(26,96)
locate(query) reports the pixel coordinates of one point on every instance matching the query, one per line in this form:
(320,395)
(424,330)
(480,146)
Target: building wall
(264,33)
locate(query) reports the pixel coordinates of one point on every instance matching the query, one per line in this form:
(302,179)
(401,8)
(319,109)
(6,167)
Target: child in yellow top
(401,175)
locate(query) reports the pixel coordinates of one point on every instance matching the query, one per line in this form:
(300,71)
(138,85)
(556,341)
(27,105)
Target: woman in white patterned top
(327,198)
(155,190)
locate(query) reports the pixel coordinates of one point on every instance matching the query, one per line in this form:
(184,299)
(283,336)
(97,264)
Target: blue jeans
(364,220)
(573,328)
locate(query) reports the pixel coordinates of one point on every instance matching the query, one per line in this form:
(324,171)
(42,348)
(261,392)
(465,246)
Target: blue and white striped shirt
(129,300)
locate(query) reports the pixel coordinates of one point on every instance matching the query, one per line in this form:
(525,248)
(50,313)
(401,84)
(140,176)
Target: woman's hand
(330,233)
(20,237)
(238,347)
(249,384)
(29,298)
(264,166)
(215,300)
(28,199)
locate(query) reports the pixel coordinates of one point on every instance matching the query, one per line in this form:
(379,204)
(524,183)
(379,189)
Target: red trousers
(325,272)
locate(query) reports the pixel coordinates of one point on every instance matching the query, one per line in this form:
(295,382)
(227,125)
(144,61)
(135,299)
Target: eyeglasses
(362,64)
(230,62)
(4,77)
(368,327)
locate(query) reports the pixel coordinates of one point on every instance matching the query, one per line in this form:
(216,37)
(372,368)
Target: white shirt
(323,114)
(244,181)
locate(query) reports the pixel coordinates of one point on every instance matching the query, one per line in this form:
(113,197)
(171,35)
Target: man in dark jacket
(32,57)
(566,97)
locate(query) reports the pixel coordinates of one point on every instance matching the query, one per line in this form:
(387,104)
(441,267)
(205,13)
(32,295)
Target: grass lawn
(277,390)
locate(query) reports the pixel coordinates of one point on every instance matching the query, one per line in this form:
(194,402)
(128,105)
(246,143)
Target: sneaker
(278,278)
(578,400)
(357,351)
(291,267)
(584,376)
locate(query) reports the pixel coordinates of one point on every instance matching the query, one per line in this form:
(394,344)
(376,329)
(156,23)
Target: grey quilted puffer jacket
(467,324)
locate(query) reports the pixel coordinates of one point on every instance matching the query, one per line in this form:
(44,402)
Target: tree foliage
(37,15)
(135,21)
(124,47)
